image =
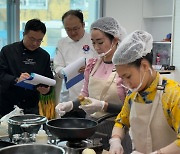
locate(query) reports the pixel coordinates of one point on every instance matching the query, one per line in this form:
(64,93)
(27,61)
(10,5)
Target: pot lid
(27,119)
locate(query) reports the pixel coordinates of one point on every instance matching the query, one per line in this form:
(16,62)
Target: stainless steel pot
(32,149)
(30,123)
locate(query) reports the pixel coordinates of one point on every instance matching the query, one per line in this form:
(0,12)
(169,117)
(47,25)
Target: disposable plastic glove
(136,152)
(60,74)
(155,152)
(95,106)
(64,107)
(115,146)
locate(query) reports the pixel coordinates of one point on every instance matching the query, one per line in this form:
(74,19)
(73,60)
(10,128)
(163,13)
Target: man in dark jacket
(17,61)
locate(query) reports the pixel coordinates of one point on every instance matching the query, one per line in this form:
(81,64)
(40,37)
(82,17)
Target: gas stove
(76,147)
(70,147)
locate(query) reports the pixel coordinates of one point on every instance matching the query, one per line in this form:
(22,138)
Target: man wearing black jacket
(17,61)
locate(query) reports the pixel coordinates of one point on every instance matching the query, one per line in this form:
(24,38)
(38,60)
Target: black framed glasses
(75,29)
(32,39)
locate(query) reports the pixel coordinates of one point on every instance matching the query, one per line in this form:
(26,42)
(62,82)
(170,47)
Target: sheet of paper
(71,72)
(72,69)
(36,79)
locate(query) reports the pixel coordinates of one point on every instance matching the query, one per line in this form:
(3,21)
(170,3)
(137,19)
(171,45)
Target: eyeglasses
(32,39)
(75,29)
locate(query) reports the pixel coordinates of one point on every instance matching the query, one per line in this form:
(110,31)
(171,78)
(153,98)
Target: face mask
(137,88)
(132,90)
(140,84)
(151,71)
(105,53)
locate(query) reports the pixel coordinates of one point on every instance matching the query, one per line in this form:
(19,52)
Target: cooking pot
(30,123)
(32,149)
(72,129)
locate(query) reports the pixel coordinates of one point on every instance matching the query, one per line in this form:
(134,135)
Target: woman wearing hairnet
(152,105)
(101,84)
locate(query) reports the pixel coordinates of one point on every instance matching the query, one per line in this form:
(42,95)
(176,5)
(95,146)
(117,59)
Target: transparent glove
(95,106)
(60,74)
(115,146)
(155,152)
(136,152)
(64,107)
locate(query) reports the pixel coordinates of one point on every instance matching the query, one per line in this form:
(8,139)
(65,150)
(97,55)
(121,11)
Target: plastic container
(41,137)
(3,129)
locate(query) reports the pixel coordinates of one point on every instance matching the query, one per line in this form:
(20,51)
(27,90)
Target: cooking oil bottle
(41,136)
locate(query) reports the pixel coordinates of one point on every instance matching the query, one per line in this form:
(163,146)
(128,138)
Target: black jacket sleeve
(6,79)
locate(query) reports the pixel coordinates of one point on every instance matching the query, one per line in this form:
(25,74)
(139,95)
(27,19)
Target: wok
(72,129)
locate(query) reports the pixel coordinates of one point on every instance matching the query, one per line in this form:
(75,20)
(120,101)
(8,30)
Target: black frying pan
(72,129)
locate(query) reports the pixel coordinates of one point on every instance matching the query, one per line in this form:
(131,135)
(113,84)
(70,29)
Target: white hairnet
(111,26)
(134,46)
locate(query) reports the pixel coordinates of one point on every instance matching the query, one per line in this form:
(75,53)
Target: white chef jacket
(67,52)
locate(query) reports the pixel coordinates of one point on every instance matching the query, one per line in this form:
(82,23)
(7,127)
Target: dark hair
(77,13)
(35,25)
(111,37)
(148,57)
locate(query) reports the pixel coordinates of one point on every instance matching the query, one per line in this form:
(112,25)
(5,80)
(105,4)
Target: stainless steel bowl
(32,149)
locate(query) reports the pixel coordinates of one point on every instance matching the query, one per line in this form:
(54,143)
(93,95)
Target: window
(3,23)
(34,4)
(81,4)
(49,12)
(52,17)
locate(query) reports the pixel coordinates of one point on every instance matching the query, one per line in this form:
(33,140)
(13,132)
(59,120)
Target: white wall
(129,15)
(127,12)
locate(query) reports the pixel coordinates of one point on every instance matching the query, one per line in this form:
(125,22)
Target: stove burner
(76,147)
(75,144)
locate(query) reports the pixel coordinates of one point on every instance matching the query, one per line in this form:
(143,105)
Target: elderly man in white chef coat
(77,44)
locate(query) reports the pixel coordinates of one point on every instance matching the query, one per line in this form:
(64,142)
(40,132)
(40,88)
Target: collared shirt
(69,51)
(170,104)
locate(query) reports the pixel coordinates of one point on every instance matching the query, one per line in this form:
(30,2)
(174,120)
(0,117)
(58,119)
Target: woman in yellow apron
(152,106)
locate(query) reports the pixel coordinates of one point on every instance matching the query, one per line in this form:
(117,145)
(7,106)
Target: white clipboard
(34,80)
(71,72)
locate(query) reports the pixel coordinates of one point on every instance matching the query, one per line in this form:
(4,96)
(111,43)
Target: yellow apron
(149,127)
(103,89)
